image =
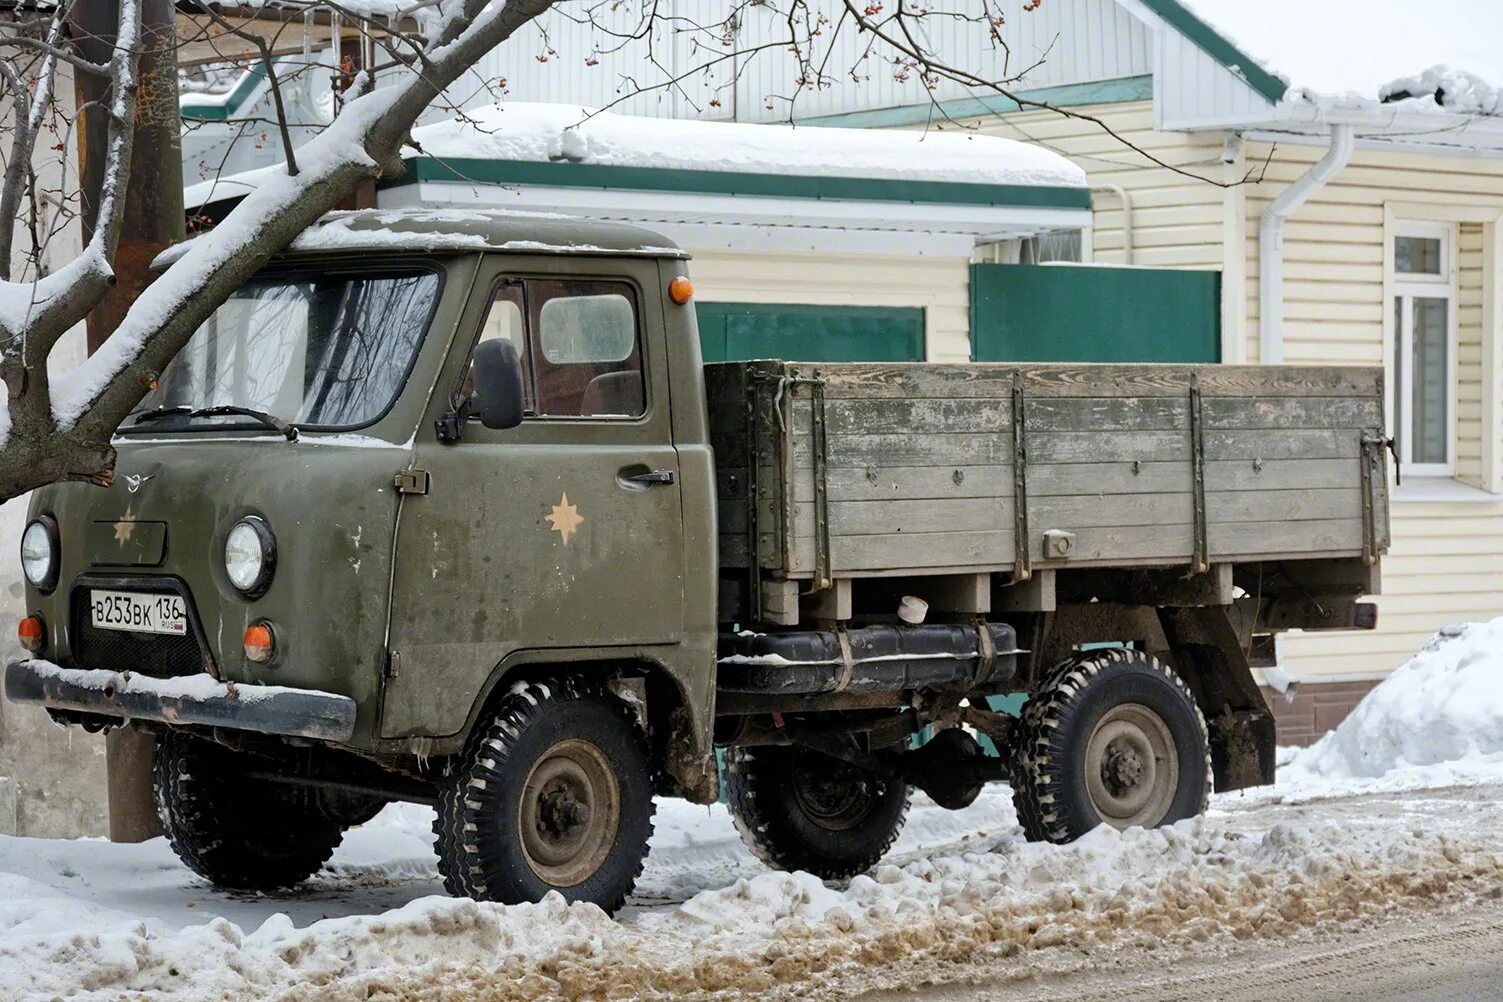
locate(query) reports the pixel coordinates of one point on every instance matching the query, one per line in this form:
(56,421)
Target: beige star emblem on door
(565,518)
(126,527)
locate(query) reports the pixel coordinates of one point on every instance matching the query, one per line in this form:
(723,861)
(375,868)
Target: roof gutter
(1271,241)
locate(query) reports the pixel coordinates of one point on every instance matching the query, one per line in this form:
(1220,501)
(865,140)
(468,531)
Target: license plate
(133,612)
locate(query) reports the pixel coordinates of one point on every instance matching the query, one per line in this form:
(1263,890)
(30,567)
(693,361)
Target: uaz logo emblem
(133,481)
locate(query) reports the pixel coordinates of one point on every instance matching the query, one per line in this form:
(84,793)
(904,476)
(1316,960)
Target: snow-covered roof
(559,132)
(1444,56)
(462,230)
(733,185)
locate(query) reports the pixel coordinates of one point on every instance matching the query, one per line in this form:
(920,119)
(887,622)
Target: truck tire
(1111,737)
(235,831)
(553,792)
(798,809)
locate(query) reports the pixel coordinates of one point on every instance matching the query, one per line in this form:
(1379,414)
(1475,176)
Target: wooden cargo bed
(862,470)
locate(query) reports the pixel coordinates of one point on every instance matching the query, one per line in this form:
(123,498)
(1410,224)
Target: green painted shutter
(1060,313)
(739,331)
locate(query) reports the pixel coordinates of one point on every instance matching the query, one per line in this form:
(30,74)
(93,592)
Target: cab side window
(585,349)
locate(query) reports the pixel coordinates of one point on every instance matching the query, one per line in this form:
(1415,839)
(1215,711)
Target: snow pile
(1453,90)
(561,132)
(1437,719)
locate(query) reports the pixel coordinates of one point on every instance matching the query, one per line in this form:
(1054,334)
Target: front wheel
(1111,737)
(234,830)
(552,793)
(798,809)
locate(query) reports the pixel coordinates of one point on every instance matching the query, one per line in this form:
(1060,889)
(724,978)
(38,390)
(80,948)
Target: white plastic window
(1424,329)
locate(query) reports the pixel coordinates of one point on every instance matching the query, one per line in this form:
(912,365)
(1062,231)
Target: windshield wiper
(161,412)
(289,431)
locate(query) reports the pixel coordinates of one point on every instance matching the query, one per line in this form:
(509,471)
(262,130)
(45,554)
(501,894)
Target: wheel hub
(834,795)
(1123,767)
(1131,767)
(561,811)
(569,812)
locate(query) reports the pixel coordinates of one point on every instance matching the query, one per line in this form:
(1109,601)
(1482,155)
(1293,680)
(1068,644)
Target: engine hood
(331,504)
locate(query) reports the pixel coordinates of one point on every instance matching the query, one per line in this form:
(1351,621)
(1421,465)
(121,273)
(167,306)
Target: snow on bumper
(194,699)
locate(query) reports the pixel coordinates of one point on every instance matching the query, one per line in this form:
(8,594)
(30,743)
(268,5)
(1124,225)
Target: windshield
(324,351)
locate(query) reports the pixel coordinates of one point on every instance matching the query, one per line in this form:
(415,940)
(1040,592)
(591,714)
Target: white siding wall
(1192,87)
(1062,41)
(940,285)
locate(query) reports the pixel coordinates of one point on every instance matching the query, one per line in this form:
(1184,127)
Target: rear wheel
(1111,737)
(552,793)
(236,831)
(798,809)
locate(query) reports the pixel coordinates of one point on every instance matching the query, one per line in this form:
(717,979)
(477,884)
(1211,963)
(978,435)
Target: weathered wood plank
(850,554)
(1114,544)
(950,450)
(906,483)
(1308,443)
(905,416)
(1281,474)
(1074,512)
(860,518)
(1107,414)
(1312,538)
(1107,446)
(871,380)
(1098,479)
(1292,412)
(1287,506)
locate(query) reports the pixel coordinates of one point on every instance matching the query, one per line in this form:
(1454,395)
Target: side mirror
(499,399)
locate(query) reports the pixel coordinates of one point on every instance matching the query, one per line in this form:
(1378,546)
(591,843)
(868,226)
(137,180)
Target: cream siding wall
(1177,220)
(1446,563)
(1469,346)
(940,285)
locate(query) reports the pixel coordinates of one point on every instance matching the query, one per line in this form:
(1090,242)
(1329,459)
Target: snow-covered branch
(61,429)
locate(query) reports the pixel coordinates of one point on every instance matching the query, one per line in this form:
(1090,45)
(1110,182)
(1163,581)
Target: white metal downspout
(1271,241)
(1126,200)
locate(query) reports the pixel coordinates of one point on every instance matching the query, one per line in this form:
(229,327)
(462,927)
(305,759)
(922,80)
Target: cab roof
(458,231)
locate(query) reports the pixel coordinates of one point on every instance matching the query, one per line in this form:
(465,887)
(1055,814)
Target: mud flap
(1211,658)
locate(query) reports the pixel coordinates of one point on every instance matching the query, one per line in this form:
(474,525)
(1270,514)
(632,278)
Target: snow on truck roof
(465,230)
(1442,56)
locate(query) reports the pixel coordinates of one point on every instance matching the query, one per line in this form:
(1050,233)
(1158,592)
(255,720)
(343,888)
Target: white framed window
(1424,338)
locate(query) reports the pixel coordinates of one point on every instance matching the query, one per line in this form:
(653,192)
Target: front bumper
(190,699)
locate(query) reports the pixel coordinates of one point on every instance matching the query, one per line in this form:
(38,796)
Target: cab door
(561,539)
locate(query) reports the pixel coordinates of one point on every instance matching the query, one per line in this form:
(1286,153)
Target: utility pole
(153,220)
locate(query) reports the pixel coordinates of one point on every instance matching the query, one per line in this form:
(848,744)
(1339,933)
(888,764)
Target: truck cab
(428,511)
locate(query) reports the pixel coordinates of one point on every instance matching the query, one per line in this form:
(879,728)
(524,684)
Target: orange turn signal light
(259,643)
(680,290)
(32,634)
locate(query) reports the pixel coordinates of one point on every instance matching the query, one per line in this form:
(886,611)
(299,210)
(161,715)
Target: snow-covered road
(1375,826)
(92,920)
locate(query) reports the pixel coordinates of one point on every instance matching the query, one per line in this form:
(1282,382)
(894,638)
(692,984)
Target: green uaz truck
(447,509)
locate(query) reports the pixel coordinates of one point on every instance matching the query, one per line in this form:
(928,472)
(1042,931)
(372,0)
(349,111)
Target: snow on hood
(1360,53)
(1440,713)
(563,132)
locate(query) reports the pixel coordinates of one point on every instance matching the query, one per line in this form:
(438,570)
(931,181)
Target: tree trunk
(153,220)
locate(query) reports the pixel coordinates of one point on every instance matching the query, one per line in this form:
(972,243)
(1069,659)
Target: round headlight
(39,553)
(250,555)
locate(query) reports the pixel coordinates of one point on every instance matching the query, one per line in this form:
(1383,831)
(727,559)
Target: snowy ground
(1350,837)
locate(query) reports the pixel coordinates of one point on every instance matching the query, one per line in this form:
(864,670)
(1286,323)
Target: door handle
(653,478)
